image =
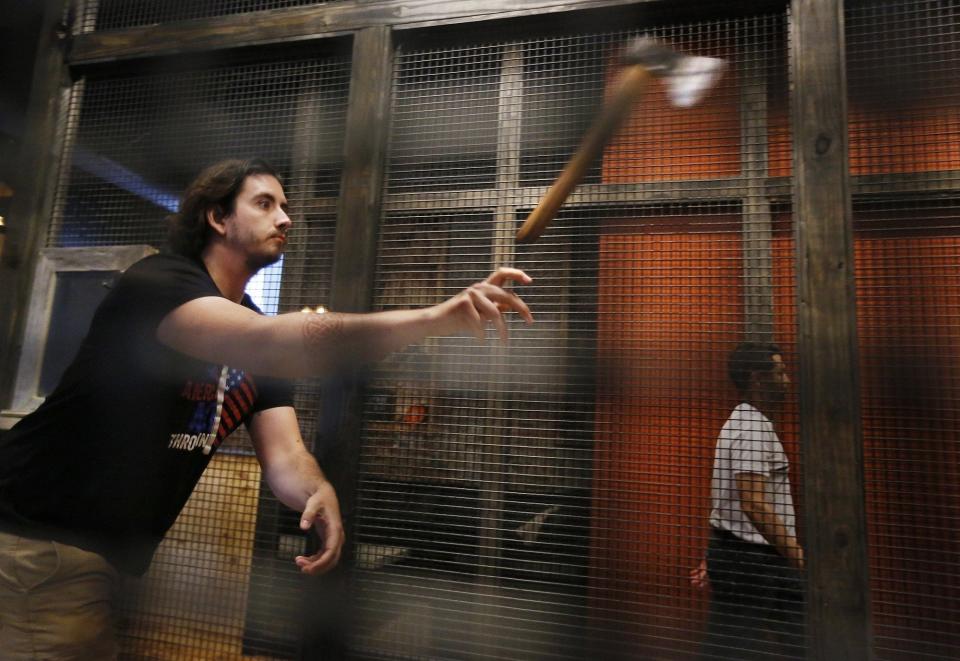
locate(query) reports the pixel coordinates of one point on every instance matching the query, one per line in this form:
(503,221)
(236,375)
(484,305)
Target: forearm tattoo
(323,333)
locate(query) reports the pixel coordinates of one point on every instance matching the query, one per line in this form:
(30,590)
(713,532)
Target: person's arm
(295,345)
(296,480)
(754,490)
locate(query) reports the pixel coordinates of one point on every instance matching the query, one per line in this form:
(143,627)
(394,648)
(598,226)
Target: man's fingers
(504,273)
(505,300)
(487,301)
(307,518)
(318,563)
(331,536)
(326,559)
(487,309)
(474,318)
(515,303)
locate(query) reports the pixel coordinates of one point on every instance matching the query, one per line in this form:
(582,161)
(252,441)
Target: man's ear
(216,220)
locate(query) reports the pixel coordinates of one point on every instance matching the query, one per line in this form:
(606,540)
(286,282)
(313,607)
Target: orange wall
(669,310)
(908,291)
(881,141)
(661,142)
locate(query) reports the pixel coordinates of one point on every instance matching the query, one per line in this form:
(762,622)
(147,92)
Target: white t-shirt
(748,444)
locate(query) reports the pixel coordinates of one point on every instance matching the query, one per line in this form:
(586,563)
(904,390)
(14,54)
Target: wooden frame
(831,438)
(351,290)
(32,206)
(312,22)
(830,419)
(52,262)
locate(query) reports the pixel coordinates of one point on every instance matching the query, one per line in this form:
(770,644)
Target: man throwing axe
(176,358)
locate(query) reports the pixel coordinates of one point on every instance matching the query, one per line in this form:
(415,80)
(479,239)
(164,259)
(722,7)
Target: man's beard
(257,262)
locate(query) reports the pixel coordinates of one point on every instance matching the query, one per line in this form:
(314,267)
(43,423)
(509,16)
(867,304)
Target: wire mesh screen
(104,15)
(904,118)
(594,488)
(224,582)
(550,497)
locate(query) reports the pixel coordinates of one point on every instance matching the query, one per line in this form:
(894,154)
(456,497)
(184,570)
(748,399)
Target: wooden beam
(585,196)
(355,248)
(757,238)
(295,24)
(32,204)
(365,148)
(830,429)
(922,185)
(492,487)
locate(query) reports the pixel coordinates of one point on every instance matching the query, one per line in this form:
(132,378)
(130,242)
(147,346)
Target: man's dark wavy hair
(750,357)
(215,188)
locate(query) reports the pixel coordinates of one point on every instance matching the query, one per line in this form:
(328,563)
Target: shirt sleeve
(754,448)
(272,393)
(157,285)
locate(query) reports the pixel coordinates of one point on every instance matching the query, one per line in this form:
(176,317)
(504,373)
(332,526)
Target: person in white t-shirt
(754,560)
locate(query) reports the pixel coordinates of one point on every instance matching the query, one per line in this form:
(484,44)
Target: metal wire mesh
(904,118)
(224,582)
(548,498)
(102,15)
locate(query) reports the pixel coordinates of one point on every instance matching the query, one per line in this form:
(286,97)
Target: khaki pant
(56,601)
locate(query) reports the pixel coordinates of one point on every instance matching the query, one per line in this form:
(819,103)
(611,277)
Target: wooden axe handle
(615,111)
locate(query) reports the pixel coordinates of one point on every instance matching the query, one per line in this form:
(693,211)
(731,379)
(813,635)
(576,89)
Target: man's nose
(284,221)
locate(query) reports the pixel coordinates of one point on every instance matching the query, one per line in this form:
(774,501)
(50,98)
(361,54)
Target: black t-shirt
(109,459)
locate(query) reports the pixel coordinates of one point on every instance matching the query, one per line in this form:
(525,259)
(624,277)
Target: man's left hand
(322,511)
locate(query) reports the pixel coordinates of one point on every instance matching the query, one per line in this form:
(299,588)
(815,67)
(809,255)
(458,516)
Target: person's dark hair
(215,188)
(750,357)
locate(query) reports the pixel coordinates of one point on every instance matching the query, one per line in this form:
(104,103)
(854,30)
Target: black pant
(756,602)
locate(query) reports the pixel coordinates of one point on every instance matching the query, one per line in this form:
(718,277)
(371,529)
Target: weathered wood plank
(830,428)
(365,145)
(358,222)
(585,195)
(32,203)
(286,25)
(757,221)
(347,16)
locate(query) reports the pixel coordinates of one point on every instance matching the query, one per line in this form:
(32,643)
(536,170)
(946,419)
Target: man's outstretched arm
(296,345)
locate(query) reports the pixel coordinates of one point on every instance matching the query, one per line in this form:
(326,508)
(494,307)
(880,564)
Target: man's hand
(482,303)
(699,577)
(795,555)
(322,511)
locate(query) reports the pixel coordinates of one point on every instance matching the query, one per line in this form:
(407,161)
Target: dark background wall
(19,28)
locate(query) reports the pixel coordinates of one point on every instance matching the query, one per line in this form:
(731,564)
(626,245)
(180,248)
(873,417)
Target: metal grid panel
(904,118)
(223,582)
(118,14)
(548,498)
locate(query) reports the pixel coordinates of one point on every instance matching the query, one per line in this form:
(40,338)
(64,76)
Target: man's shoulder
(744,411)
(164,270)
(165,261)
(161,282)
(745,420)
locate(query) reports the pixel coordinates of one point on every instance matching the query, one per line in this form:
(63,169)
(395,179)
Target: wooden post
(32,204)
(328,623)
(489,546)
(757,221)
(830,430)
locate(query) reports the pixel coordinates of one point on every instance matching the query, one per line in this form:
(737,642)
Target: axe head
(687,77)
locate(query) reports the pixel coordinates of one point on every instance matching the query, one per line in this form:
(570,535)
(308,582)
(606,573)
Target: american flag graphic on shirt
(238,400)
(220,401)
